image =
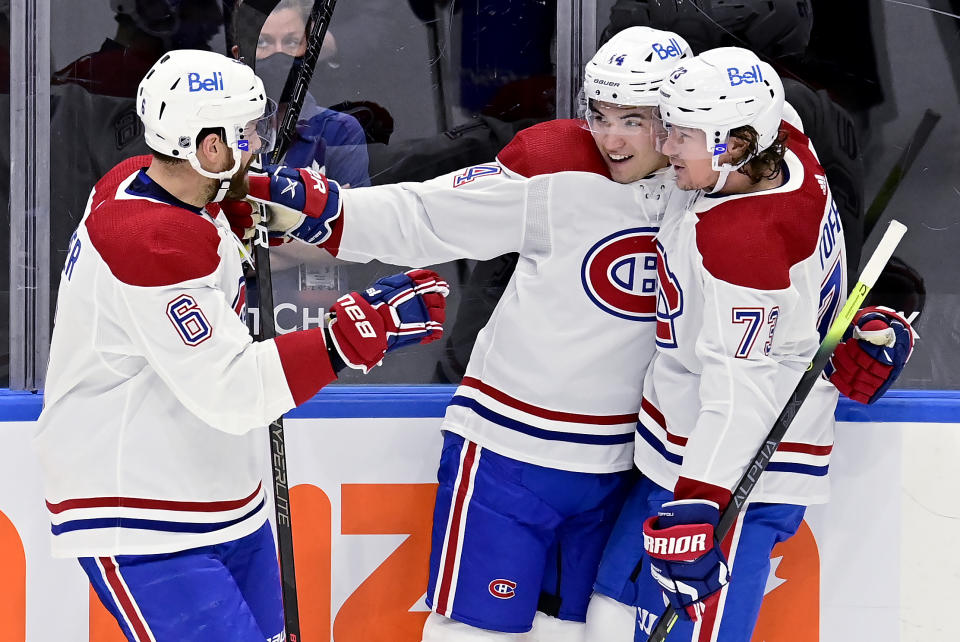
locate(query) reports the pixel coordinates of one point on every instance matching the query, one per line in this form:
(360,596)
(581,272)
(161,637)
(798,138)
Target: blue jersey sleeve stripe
(657,445)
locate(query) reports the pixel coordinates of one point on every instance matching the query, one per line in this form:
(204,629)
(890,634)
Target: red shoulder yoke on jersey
(150,244)
(753,241)
(563,145)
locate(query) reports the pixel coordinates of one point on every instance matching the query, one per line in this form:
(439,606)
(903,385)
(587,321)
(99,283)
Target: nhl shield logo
(619,274)
(502,589)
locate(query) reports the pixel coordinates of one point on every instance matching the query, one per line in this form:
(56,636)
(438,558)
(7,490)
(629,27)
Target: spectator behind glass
(325,139)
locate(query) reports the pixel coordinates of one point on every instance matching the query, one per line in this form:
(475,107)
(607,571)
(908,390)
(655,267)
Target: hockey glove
(685,558)
(395,311)
(300,203)
(242,216)
(874,351)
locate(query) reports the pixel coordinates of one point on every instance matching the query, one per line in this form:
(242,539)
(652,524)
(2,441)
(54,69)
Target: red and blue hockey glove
(395,311)
(242,216)
(685,557)
(300,203)
(874,351)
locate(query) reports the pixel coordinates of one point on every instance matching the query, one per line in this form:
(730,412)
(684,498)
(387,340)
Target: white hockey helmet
(630,67)
(718,91)
(189,90)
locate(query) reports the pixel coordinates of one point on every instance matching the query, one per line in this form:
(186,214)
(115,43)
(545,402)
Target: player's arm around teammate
(750,276)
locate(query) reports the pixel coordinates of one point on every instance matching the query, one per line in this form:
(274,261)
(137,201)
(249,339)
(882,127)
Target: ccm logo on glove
(351,309)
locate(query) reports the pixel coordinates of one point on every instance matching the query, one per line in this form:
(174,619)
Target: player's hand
(874,351)
(685,557)
(395,311)
(300,203)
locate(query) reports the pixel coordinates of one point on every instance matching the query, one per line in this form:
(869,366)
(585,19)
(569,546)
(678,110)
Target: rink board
(878,563)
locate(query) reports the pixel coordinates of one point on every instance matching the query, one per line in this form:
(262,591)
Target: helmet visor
(684,143)
(608,119)
(260,135)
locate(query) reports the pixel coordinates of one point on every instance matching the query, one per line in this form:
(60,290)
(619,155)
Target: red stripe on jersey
(563,145)
(124,599)
(155,504)
(754,241)
(658,417)
(453,536)
(808,449)
(305,362)
(544,413)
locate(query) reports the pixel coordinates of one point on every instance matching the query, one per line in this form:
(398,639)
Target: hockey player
(751,275)
(536,437)
(150,439)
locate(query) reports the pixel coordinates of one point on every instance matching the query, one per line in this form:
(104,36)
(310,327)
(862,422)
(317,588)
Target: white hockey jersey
(147,438)
(749,285)
(555,375)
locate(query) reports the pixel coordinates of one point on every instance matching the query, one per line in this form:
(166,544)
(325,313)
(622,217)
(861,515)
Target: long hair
(763,164)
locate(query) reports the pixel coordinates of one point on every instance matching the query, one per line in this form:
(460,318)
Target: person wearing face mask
(539,437)
(326,140)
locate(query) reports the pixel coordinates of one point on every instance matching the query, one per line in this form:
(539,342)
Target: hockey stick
(758,464)
(899,170)
(251,15)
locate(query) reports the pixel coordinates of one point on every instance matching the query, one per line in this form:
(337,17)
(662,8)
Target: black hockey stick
(899,170)
(759,462)
(249,19)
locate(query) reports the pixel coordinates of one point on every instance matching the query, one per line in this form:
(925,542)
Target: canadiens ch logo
(503,589)
(619,274)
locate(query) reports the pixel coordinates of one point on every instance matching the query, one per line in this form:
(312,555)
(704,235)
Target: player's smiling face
(686,148)
(624,136)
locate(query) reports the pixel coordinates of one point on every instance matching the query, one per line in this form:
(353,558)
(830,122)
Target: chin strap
(725,171)
(224,177)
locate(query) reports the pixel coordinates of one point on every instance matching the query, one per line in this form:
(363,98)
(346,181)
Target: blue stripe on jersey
(657,445)
(791,467)
(774,467)
(519,426)
(148,524)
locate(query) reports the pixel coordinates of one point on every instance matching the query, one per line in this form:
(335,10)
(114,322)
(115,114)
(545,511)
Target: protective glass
(260,135)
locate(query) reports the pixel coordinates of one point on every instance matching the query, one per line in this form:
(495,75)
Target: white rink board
(888,571)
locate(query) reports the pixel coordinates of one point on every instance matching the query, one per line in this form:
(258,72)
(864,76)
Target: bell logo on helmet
(672,50)
(213,83)
(748,77)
